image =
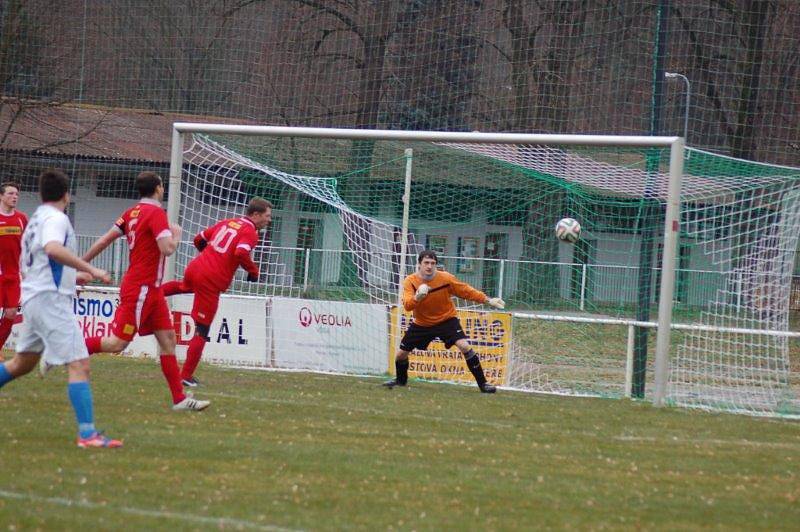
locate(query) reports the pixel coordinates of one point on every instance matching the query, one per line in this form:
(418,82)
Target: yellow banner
(489,335)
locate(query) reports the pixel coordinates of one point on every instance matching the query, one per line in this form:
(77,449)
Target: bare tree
(36,84)
(522,59)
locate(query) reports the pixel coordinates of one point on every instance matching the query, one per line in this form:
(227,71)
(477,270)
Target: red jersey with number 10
(218,261)
(11,228)
(144,225)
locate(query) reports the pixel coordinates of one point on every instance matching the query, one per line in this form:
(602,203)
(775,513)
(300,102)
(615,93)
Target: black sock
(474,365)
(401,366)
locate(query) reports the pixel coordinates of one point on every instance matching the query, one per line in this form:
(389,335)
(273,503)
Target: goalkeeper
(427,294)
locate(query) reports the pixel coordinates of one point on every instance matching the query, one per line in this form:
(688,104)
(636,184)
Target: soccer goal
(677,289)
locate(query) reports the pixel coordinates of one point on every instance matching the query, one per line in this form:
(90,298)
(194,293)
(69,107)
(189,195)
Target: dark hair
(146,183)
(427,254)
(258,205)
(53,185)
(6,185)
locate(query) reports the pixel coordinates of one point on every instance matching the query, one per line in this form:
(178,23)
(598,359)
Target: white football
(568,230)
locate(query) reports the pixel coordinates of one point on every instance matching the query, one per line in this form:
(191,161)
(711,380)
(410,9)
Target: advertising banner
(489,335)
(238,332)
(336,336)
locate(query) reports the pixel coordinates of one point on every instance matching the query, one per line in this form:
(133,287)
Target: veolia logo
(326,319)
(305,316)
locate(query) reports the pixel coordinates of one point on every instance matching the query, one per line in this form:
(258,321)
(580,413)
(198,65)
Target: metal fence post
(500,280)
(307,252)
(583,286)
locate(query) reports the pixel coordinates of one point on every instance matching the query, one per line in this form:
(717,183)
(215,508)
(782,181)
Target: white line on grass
(215,521)
(738,443)
(457,420)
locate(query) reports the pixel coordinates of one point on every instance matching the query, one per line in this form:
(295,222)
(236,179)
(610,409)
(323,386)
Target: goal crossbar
(425,136)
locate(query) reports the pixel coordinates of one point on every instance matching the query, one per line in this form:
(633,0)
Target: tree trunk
(522,49)
(743,144)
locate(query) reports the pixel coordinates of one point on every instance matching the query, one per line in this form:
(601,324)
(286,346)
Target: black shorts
(418,337)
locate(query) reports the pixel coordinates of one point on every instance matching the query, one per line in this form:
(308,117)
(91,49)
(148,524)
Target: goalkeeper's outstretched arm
(465,291)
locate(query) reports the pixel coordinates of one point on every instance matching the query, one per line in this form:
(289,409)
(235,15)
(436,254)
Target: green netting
(588,66)
(490,210)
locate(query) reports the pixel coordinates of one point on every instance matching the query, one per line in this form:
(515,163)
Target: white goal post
(672,212)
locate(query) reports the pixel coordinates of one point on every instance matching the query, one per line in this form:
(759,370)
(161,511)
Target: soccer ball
(568,230)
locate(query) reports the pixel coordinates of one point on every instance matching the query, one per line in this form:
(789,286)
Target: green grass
(318,452)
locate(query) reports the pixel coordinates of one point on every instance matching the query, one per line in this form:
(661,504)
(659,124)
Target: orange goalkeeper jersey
(437,306)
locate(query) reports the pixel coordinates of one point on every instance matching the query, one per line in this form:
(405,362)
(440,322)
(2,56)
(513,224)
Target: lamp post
(674,75)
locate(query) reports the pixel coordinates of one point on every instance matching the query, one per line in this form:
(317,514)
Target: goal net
(580,318)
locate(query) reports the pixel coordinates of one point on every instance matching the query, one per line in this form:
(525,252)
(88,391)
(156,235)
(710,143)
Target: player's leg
(204,308)
(94,345)
(124,325)
(401,369)
(415,337)
(7,317)
(9,301)
(80,396)
(158,319)
(106,344)
(29,346)
(474,365)
(171,288)
(21,364)
(169,363)
(194,353)
(184,286)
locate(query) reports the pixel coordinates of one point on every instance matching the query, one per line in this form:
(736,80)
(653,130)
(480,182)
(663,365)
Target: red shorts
(206,296)
(143,309)
(9,292)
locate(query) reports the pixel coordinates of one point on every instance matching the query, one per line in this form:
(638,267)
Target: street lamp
(673,75)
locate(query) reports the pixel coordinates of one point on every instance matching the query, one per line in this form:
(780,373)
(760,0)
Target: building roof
(92,131)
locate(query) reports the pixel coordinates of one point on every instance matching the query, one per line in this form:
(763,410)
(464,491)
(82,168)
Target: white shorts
(50,327)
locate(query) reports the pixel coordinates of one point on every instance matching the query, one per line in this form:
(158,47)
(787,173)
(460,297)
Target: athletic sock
(5,376)
(171,371)
(474,365)
(94,344)
(80,395)
(401,366)
(193,354)
(5,329)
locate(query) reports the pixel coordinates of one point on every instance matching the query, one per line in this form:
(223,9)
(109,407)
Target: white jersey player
(48,264)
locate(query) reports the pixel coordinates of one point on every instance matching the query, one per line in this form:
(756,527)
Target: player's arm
(201,239)
(102,243)
(242,254)
(56,251)
(168,235)
(52,238)
(465,291)
(410,300)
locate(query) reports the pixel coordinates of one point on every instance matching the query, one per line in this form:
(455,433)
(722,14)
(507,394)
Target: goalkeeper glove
(252,278)
(422,291)
(496,302)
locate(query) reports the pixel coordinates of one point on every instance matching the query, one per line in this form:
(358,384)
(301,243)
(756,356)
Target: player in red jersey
(142,307)
(223,248)
(12,224)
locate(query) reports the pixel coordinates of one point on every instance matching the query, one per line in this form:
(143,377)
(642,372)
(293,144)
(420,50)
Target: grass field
(318,452)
